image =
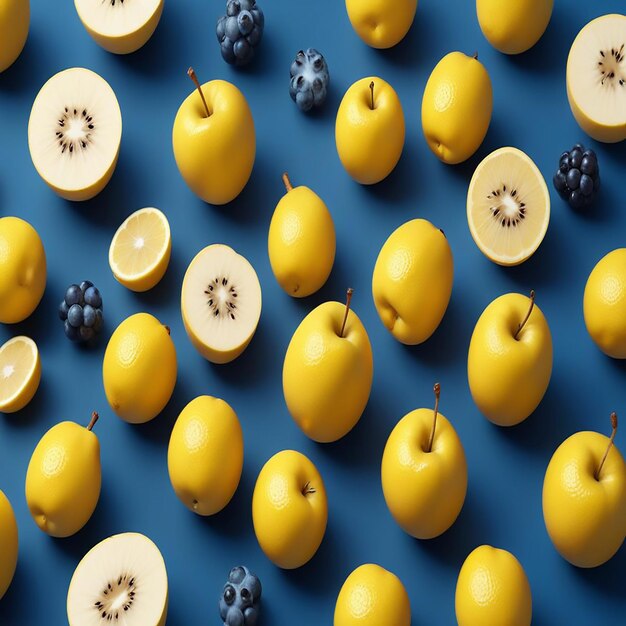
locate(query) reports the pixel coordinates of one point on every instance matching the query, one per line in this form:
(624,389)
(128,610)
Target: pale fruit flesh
(120,27)
(74,133)
(121,580)
(508,207)
(20,373)
(8,544)
(381,23)
(596,78)
(14,26)
(220,303)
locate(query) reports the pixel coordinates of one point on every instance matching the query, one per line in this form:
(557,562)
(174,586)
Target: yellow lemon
(205,455)
(381,23)
(20,373)
(301,241)
(140,250)
(22,270)
(139,368)
(372,596)
(604,304)
(8,544)
(492,590)
(64,477)
(456,107)
(14,25)
(513,26)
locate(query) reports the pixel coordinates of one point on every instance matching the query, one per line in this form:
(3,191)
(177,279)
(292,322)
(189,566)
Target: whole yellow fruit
(289,509)
(22,270)
(456,107)
(14,25)
(513,26)
(412,281)
(604,304)
(372,596)
(139,368)
(205,455)
(301,241)
(64,477)
(381,23)
(492,589)
(8,544)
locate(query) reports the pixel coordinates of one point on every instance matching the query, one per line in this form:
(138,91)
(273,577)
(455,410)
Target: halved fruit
(140,250)
(118,26)
(20,373)
(508,206)
(122,580)
(596,78)
(74,133)
(220,303)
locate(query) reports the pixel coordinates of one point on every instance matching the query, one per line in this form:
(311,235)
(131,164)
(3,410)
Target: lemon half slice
(140,250)
(508,206)
(20,373)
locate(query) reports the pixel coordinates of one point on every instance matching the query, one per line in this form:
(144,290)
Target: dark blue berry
(309,79)
(231,28)
(99,321)
(577,180)
(575,158)
(251,615)
(573,179)
(85,285)
(578,146)
(589,164)
(564,164)
(586,185)
(228,54)
(71,332)
(75,315)
(255,36)
(560,182)
(240,31)
(576,199)
(86,333)
(220,28)
(83,319)
(73,295)
(241,597)
(245,22)
(89,316)
(63,309)
(232,8)
(93,297)
(243,51)
(258,17)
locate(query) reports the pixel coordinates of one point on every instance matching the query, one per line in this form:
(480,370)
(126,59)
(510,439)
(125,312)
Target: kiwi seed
(608,66)
(70,120)
(222,298)
(507,207)
(112,602)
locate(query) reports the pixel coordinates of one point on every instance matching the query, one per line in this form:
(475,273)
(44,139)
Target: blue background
(506,467)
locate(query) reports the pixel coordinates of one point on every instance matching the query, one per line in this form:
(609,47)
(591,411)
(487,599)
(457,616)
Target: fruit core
(222,298)
(74,130)
(610,67)
(506,206)
(8,371)
(116,599)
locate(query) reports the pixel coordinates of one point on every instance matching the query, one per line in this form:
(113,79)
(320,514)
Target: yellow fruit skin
(508,377)
(372,596)
(139,368)
(63,479)
(147,282)
(289,525)
(14,25)
(8,544)
(327,379)
(128,43)
(381,23)
(301,242)
(493,590)
(205,455)
(27,394)
(22,270)
(370,141)
(424,491)
(456,107)
(585,517)
(412,281)
(515,26)
(215,154)
(604,304)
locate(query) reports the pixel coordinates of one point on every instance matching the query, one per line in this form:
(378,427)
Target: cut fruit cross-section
(20,373)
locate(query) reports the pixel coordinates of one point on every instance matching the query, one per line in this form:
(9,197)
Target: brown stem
(196,82)
(307,489)
(94,418)
(372,90)
(287,182)
(530,310)
(167,328)
(608,448)
(345,317)
(475,55)
(437,390)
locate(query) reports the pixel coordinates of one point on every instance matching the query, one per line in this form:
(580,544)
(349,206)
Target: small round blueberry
(220,28)
(97,326)
(575,158)
(254,585)
(564,164)
(305,100)
(236,575)
(578,146)
(86,334)
(251,615)
(85,284)
(228,53)
(234,618)
(73,295)
(93,297)
(243,51)
(89,315)
(258,17)
(63,309)
(245,22)
(254,37)
(560,182)
(231,29)
(573,179)
(576,199)
(586,185)
(589,164)
(233,7)
(75,315)
(71,332)
(246,5)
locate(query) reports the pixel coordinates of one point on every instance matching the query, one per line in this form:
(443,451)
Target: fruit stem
(167,328)
(345,317)
(287,182)
(437,390)
(530,310)
(196,82)
(475,55)
(94,418)
(372,90)
(307,489)
(608,448)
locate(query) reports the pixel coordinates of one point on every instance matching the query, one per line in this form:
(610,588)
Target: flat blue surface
(506,467)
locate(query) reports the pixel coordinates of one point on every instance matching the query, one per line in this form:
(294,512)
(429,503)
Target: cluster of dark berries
(81,312)
(578,177)
(240,31)
(241,598)
(309,79)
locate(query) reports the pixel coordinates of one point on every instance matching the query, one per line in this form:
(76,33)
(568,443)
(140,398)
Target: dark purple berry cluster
(240,31)
(578,177)
(81,313)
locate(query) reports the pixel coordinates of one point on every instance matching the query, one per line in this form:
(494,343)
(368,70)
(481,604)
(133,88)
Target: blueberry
(86,333)
(576,199)
(237,574)
(93,297)
(246,5)
(564,164)
(89,316)
(71,332)
(575,157)
(578,146)
(258,17)
(245,22)
(589,164)
(309,79)
(73,295)
(560,182)
(220,29)
(235,618)
(233,7)
(251,615)
(85,285)
(243,52)
(305,100)
(573,179)
(255,36)
(75,315)
(241,597)
(97,326)
(63,309)
(228,53)
(586,185)
(240,31)
(231,28)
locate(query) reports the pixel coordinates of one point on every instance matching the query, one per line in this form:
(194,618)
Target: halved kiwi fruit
(508,206)
(122,580)
(74,133)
